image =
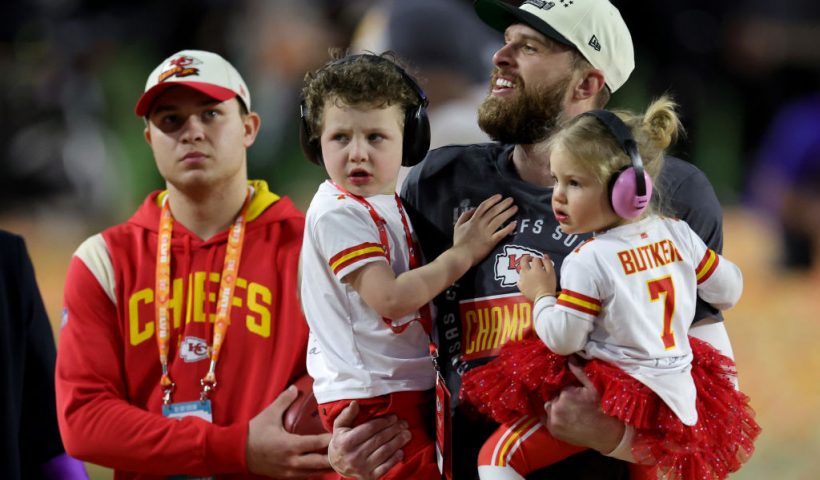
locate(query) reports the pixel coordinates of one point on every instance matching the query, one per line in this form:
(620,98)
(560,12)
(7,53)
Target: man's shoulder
(13,250)
(677,172)
(9,240)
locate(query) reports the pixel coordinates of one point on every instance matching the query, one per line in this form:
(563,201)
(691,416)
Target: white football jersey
(352,351)
(628,297)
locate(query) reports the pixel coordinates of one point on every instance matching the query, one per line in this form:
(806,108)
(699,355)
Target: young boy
(362,293)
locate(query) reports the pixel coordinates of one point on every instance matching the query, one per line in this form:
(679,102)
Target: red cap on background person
(594,27)
(204,71)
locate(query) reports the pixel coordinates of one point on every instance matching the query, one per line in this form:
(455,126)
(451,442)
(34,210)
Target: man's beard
(528,118)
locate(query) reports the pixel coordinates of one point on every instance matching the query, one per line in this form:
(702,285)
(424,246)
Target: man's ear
(147,134)
(251,123)
(589,84)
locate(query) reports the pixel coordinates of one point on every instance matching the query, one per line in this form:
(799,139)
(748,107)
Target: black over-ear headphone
(630,189)
(416,138)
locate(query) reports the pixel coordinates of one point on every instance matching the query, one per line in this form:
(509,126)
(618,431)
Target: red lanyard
(380,222)
(233,254)
(413,261)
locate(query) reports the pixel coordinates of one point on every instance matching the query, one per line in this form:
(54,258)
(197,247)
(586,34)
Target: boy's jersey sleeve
(96,421)
(346,238)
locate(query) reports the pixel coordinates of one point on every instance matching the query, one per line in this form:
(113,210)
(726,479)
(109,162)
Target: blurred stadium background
(747,73)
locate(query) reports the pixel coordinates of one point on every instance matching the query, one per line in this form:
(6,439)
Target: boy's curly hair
(354,80)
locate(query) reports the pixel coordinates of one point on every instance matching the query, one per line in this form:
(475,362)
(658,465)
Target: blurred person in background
(772,54)
(289,39)
(784,182)
(182,328)
(448,48)
(31,447)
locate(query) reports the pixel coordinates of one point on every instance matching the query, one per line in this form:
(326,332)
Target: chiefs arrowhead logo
(193,349)
(180,67)
(508,263)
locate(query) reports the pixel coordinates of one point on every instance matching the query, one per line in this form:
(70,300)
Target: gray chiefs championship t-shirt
(484,309)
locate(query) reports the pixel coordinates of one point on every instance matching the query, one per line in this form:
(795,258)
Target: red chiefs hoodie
(108,370)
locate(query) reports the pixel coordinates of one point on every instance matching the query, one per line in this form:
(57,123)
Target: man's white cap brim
(501,15)
(214,91)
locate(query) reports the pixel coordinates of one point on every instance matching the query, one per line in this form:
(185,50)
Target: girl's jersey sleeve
(564,323)
(720,282)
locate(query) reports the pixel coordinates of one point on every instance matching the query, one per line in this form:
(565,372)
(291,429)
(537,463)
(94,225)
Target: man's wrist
(624,449)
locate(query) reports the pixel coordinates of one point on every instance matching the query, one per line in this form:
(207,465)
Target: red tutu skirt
(526,374)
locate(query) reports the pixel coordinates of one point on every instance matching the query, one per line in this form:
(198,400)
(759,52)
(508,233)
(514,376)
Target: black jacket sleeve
(27,355)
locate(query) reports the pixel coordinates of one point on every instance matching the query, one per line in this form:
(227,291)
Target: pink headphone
(630,189)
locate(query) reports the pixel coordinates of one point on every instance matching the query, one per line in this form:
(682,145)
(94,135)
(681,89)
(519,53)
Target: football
(302,417)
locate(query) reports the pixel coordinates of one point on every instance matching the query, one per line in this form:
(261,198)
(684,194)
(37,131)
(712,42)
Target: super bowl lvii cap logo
(180,67)
(541,4)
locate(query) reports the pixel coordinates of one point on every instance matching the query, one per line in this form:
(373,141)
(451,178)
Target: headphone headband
(423,102)
(416,135)
(623,135)
(630,188)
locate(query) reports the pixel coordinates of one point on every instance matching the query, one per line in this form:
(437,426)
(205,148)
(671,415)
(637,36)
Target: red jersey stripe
(353,254)
(580,302)
(707,266)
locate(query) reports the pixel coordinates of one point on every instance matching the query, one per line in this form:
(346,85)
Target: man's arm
(575,416)
(32,358)
(689,195)
(39,435)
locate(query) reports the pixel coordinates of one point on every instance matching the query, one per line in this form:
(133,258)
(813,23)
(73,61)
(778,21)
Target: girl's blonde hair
(589,142)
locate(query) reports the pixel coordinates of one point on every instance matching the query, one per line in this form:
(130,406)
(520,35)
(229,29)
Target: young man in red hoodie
(181,327)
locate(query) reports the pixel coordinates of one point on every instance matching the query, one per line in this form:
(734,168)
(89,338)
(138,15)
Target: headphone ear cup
(416,140)
(311,148)
(623,194)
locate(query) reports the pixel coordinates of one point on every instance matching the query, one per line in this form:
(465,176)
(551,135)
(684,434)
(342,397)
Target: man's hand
(369,450)
(273,452)
(575,416)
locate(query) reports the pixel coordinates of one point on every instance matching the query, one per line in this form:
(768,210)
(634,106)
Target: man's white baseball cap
(594,27)
(204,71)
